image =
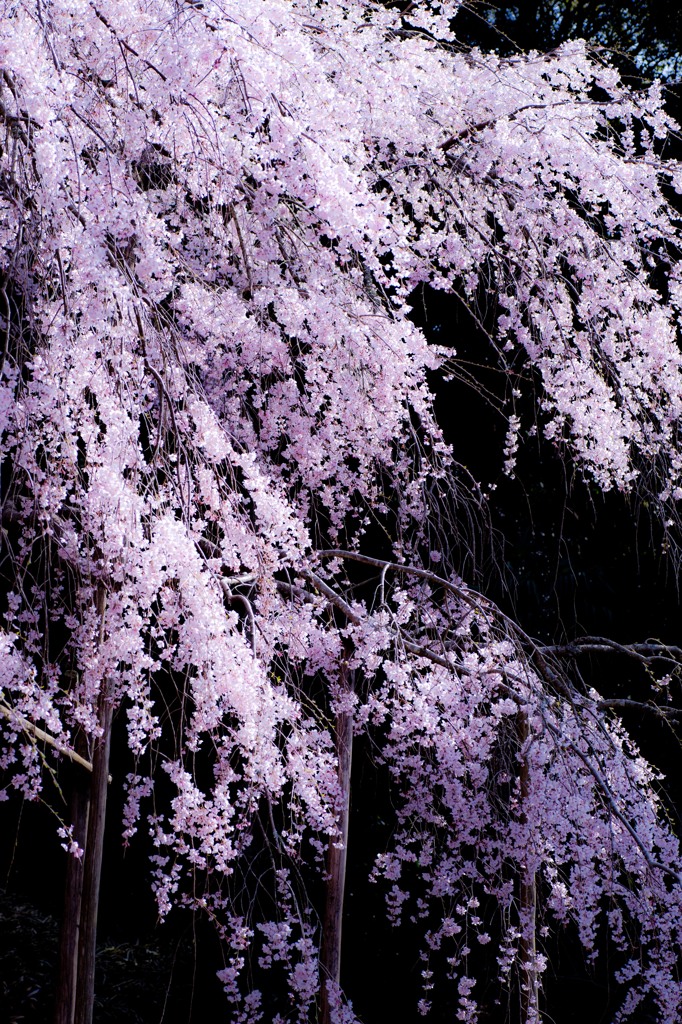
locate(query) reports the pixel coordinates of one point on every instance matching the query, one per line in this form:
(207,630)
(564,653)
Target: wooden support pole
(67,976)
(75,994)
(92,871)
(528,898)
(330,953)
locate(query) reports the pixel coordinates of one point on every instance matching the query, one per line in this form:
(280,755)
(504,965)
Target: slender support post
(530,987)
(92,873)
(528,897)
(65,1003)
(330,954)
(76,980)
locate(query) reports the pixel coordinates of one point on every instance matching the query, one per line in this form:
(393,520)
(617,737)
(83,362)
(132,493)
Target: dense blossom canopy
(214,410)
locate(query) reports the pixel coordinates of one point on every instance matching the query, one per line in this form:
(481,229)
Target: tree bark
(330,954)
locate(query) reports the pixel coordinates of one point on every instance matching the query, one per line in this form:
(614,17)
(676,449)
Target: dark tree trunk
(330,954)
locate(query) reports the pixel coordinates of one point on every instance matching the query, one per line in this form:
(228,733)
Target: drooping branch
(648,652)
(538,656)
(542,655)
